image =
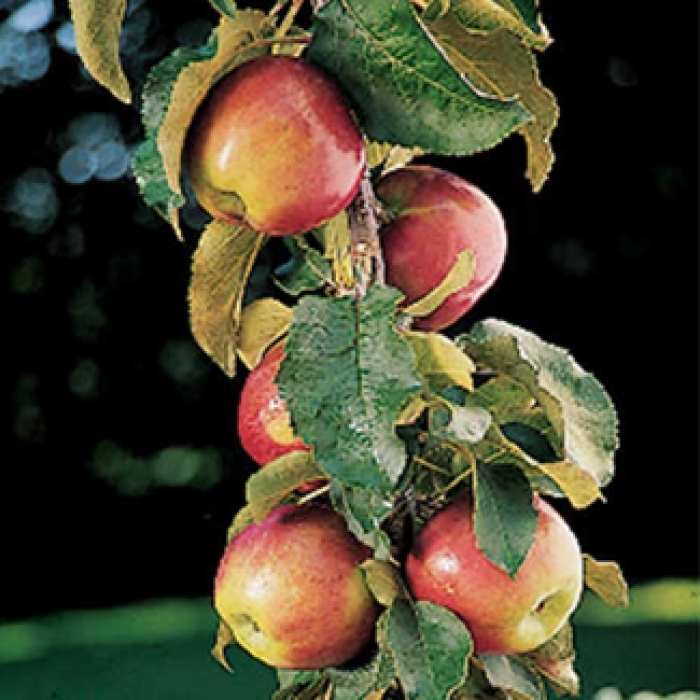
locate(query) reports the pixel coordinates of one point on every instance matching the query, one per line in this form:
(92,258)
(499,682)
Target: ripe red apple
(291,590)
(437,215)
(264,424)
(274,145)
(505,615)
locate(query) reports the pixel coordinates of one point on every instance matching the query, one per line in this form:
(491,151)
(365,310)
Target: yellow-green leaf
(578,485)
(498,63)
(389,156)
(384,581)
(224,639)
(98,26)
(262,323)
(221,266)
(459,276)
(487,15)
(242,519)
(269,487)
(440,360)
(337,249)
(606,580)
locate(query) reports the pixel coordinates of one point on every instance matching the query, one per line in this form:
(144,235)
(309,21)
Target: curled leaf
(459,276)
(269,487)
(262,322)
(579,486)
(581,414)
(224,639)
(384,581)
(221,266)
(606,580)
(498,62)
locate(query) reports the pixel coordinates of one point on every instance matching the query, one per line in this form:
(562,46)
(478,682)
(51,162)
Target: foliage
(399,421)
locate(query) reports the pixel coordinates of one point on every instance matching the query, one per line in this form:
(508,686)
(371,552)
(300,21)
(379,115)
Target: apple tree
(306,129)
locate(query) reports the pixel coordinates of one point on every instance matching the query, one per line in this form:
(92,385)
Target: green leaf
(98,27)
(505,519)
(403,88)
(346,376)
(268,487)
(429,645)
(364,511)
(221,267)
(301,685)
(174,91)
(582,415)
(358,683)
(307,270)
(225,7)
(514,676)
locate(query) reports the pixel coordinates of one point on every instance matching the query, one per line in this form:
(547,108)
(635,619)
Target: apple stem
(367,255)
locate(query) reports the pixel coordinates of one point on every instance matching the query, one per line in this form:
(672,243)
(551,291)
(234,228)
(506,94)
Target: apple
(435,215)
(291,590)
(264,424)
(504,615)
(275,146)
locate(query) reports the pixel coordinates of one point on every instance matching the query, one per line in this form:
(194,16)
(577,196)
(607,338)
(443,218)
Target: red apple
(436,216)
(264,424)
(291,590)
(275,146)
(504,615)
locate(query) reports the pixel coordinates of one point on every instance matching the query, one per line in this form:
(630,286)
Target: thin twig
(366,249)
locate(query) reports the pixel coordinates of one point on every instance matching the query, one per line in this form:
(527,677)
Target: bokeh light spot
(32,16)
(77,165)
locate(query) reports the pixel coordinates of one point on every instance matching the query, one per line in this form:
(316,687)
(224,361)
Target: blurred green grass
(159,650)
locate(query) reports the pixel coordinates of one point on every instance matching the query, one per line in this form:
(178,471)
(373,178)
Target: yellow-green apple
(291,589)
(264,424)
(434,216)
(504,615)
(275,146)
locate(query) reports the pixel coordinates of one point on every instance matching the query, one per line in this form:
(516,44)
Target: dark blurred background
(122,469)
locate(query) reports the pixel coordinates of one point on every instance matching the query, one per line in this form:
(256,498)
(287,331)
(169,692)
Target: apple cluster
(241,170)
(290,587)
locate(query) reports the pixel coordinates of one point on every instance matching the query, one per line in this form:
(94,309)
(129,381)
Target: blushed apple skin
(438,215)
(504,615)
(291,590)
(277,133)
(264,424)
